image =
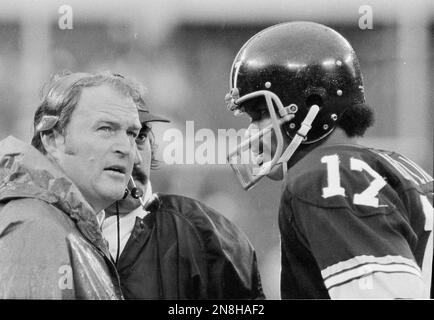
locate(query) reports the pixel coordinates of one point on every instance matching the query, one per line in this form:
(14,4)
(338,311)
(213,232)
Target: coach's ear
(54,144)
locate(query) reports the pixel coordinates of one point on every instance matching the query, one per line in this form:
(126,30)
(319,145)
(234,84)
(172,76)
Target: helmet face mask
(293,66)
(242,159)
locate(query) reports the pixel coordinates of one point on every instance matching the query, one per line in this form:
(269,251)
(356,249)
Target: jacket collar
(27,173)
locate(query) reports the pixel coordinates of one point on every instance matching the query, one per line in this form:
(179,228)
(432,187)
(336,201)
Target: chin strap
(301,134)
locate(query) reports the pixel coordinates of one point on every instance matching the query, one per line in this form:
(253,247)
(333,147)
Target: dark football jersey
(355,223)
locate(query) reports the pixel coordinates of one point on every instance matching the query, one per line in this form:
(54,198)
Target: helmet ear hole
(314,99)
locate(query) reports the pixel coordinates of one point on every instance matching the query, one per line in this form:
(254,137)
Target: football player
(355,222)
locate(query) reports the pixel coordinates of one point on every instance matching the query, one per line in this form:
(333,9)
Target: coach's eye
(133,134)
(105,129)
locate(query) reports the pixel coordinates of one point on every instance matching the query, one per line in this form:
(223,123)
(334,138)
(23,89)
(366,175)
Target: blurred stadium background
(182,51)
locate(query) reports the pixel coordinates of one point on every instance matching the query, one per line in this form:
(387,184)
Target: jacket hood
(27,173)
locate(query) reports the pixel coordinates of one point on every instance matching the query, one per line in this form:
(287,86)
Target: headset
(134,191)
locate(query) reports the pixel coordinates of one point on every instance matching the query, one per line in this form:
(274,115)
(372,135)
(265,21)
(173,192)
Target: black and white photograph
(216,154)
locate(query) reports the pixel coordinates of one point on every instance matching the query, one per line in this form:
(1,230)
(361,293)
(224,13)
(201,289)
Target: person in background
(169,246)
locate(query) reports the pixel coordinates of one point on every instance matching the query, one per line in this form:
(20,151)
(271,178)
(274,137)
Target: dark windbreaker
(184,250)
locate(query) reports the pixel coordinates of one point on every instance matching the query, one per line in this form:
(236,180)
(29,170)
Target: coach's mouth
(116,169)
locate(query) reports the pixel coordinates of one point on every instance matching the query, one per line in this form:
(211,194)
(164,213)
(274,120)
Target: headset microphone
(135,192)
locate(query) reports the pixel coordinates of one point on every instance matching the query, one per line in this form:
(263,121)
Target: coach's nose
(124,145)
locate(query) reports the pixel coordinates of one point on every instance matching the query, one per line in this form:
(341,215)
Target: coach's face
(98,150)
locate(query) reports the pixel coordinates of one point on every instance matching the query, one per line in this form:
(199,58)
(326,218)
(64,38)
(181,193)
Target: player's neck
(338,136)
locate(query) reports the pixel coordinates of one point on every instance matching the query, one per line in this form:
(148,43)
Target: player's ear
(54,143)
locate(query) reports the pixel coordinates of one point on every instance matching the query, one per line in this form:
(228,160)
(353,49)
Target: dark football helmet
(292,67)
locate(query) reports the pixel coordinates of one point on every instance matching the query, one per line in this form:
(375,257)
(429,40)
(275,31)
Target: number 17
(367,197)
